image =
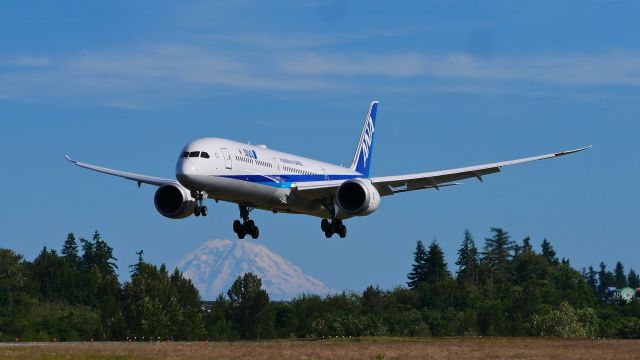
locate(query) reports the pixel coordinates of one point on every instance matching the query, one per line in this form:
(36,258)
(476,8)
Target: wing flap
(313,190)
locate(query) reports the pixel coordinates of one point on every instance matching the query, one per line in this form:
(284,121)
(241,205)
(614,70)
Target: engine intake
(357,197)
(174,201)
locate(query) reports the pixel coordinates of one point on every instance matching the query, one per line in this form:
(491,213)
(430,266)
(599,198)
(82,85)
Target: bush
(564,321)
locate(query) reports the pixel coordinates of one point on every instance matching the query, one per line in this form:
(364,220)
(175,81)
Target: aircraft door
(276,169)
(227,158)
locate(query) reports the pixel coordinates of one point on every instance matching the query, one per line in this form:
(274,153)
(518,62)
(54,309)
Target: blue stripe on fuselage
(286,180)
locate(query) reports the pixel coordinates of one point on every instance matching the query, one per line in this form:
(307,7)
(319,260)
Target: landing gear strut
(334,227)
(247,226)
(200,209)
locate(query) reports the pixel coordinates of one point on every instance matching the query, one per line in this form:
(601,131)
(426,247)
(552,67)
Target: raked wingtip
(568,152)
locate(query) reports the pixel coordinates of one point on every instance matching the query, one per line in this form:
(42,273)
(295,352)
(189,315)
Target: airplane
(256,177)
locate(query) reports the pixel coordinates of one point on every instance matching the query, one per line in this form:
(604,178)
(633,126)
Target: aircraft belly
(261,196)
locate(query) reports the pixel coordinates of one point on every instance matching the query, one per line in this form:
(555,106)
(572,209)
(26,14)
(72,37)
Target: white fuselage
(254,175)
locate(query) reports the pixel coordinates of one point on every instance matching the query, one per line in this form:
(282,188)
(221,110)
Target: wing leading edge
(389,185)
(140,179)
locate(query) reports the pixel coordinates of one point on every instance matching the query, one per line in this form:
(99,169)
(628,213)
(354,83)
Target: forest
(502,288)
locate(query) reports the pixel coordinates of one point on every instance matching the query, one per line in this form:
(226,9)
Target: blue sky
(127,84)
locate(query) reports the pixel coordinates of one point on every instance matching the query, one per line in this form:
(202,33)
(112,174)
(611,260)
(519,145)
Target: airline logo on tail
(362,158)
(367,138)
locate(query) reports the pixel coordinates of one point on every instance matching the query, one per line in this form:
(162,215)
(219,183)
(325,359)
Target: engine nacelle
(174,201)
(357,197)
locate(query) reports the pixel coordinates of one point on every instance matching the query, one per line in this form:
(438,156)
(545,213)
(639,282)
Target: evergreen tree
(468,260)
(633,280)
(373,299)
(592,280)
(101,287)
(605,280)
(435,266)
(48,275)
(526,245)
(103,254)
(135,268)
(497,249)
(619,277)
(250,313)
(418,269)
(160,305)
(549,253)
(88,253)
(217,320)
(495,264)
(70,249)
(13,280)
(71,272)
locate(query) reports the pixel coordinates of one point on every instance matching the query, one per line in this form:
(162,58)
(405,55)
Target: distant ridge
(215,264)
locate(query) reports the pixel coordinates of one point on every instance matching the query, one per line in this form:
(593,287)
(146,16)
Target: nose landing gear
(247,226)
(200,209)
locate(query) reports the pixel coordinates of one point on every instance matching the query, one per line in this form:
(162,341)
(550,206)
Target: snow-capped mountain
(217,263)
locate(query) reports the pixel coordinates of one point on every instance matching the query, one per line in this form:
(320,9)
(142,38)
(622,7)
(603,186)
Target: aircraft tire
(241,235)
(325,225)
(196,210)
(249,225)
(237,226)
(204,211)
(255,232)
(342,231)
(328,234)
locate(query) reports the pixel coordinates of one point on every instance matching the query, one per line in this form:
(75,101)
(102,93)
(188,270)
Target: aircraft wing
(140,179)
(389,185)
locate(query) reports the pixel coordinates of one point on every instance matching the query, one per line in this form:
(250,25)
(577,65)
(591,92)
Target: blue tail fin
(362,158)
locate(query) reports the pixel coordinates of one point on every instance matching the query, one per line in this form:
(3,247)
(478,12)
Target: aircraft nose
(187,167)
(185,170)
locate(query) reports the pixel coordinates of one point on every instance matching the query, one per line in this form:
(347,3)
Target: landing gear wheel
(204,211)
(249,225)
(334,227)
(250,228)
(325,225)
(342,231)
(196,210)
(237,227)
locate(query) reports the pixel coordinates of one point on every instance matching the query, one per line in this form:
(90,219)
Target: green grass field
(365,348)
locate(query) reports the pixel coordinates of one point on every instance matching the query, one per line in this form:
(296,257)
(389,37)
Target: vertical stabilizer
(362,158)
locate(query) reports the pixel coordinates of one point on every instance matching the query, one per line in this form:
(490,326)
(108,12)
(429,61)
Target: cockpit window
(185,154)
(204,154)
(194,154)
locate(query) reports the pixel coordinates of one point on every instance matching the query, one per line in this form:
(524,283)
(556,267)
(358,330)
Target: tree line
(503,288)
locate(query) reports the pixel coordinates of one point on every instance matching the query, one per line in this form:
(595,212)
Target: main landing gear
(334,227)
(247,226)
(200,209)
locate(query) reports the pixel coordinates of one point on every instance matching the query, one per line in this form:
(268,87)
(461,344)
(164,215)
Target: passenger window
(194,154)
(204,155)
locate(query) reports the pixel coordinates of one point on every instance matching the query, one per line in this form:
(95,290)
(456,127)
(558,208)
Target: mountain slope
(217,263)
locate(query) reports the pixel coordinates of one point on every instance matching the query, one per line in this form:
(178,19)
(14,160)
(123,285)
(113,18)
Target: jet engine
(357,197)
(174,201)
